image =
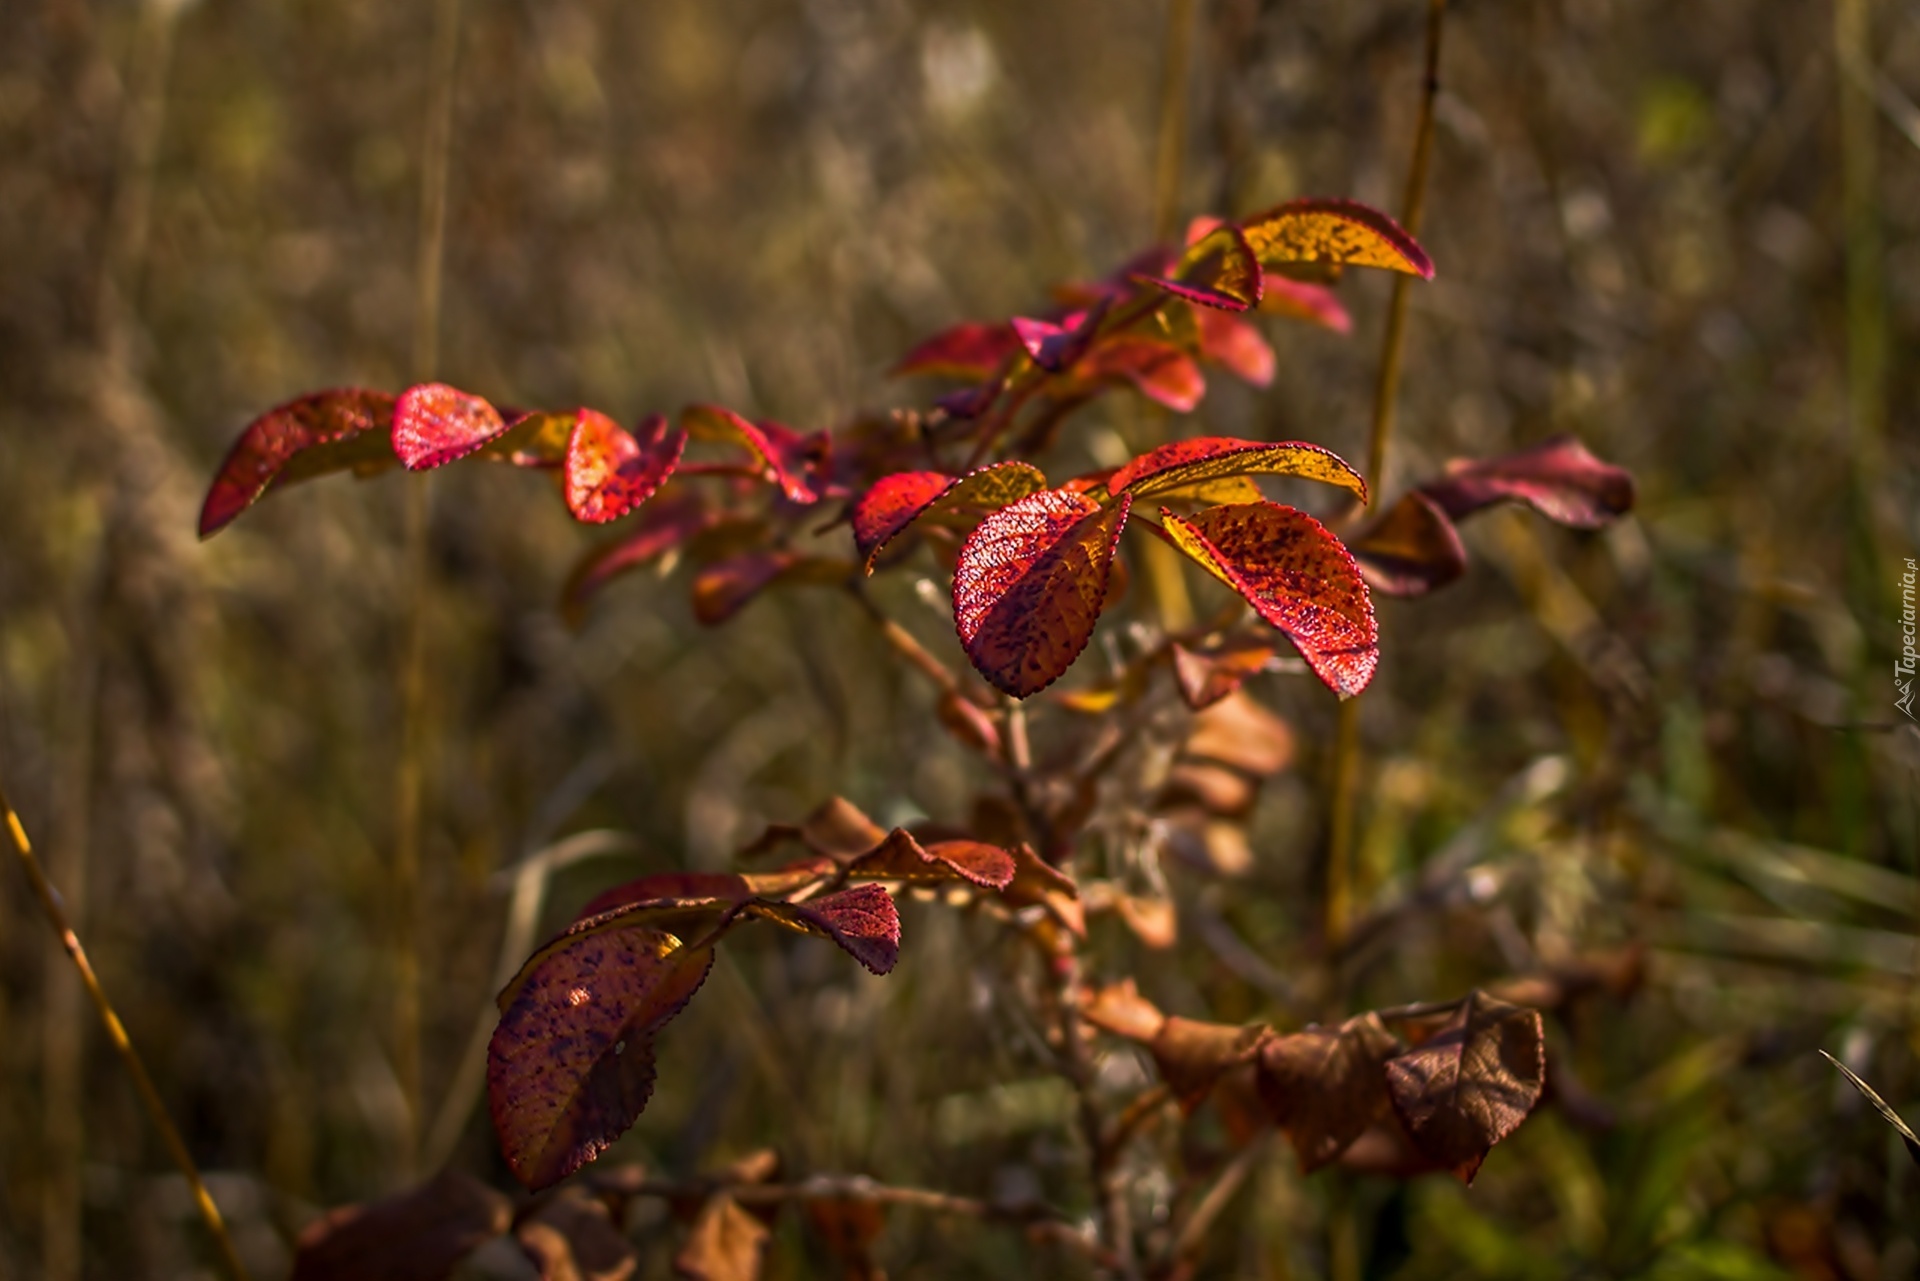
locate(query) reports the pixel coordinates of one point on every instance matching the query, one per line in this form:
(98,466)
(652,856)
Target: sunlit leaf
(1297,576)
(1239,732)
(1410,550)
(1184,463)
(1325,1085)
(1304,300)
(571,1065)
(1120,1009)
(1237,346)
(897,501)
(902,858)
(666,525)
(788,458)
(726,1243)
(1030,584)
(1218,270)
(1159,371)
(610,470)
(417,1235)
(722,589)
(1344,232)
(434,424)
(1153,920)
(328,431)
(1557,478)
(1469,1087)
(969,350)
(862,920)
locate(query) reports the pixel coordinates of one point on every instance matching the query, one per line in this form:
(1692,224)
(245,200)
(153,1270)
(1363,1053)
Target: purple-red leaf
(1058,347)
(862,920)
(1410,550)
(1183,464)
(897,501)
(1030,584)
(1342,232)
(729,887)
(1557,478)
(1231,342)
(1301,300)
(434,424)
(571,1065)
(610,470)
(788,458)
(1470,1086)
(324,432)
(1218,270)
(664,527)
(969,350)
(1297,576)
(1160,371)
(722,589)
(417,1235)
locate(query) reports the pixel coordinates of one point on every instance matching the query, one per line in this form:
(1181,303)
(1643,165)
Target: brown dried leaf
(848,1228)
(1470,1086)
(418,1235)
(573,1238)
(1120,1009)
(1325,1086)
(1239,732)
(726,1243)
(1192,1055)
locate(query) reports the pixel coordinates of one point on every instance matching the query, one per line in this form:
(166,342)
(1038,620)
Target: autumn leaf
(663,528)
(1193,1055)
(1303,300)
(434,424)
(1183,464)
(417,1235)
(902,858)
(677,887)
(1237,346)
(325,432)
(571,1064)
(1218,270)
(1030,583)
(1325,1085)
(1057,347)
(848,1227)
(724,588)
(893,503)
(610,470)
(1154,921)
(970,350)
(786,457)
(1470,1086)
(1297,576)
(726,1243)
(1120,1009)
(1160,371)
(862,920)
(538,439)
(1343,232)
(1557,478)
(1207,676)
(572,1237)
(1239,732)
(1410,550)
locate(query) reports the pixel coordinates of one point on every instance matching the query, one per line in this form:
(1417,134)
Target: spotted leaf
(610,470)
(897,501)
(1341,232)
(1218,270)
(1183,464)
(434,424)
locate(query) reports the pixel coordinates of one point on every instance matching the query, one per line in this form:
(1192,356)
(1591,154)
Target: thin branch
(1076,1065)
(1193,1233)
(117,1033)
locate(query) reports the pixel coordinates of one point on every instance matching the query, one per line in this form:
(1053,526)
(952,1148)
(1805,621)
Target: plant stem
(408,778)
(1109,1193)
(117,1033)
(1170,150)
(1346,747)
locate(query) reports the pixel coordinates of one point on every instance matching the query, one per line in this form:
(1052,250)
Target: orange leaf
(610,471)
(1207,676)
(1297,576)
(1030,584)
(1120,1009)
(1345,232)
(726,1243)
(1159,371)
(434,424)
(573,1238)
(1182,464)
(324,432)
(1410,550)
(1193,1055)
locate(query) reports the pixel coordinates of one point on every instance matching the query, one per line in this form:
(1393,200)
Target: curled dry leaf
(1030,584)
(434,424)
(664,527)
(1410,550)
(571,1065)
(901,858)
(1325,1086)
(726,1243)
(1183,464)
(325,432)
(1207,676)
(840,829)
(1557,478)
(1193,1055)
(1238,731)
(788,458)
(1153,920)
(896,502)
(610,470)
(1297,576)
(573,1238)
(969,350)
(418,1235)
(1465,1089)
(1341,232)
(1038,882)
(1120,1009)
(1218,270)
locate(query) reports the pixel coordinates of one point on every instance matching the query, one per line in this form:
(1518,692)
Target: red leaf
(722,589)
(1218,270)
(674,886)
(1325,1085)
(417,1235)
(1159,371)
(324,432)
(862,920)
(434,424)
(1058,347)
(969,350)
(1345,232)
(1030,584)
(902,858)
(1557,478)
(787,457)
(610,471)
(897,501)
(1472,1085)
(1185,463)
(1233,343)
(571,1065)
(1297,576)
(1315,304)
(667,523)
(1410,550)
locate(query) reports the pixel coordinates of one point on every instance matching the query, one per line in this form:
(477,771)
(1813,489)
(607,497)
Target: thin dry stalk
(117,1033)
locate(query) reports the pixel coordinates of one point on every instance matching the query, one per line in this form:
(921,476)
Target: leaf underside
(1412,549)
(1557,478)
(325,432)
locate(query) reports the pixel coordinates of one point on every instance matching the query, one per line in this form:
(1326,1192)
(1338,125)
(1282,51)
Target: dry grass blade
(1872,1096)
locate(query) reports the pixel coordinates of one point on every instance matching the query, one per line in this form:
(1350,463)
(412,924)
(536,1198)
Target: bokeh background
(1689,233)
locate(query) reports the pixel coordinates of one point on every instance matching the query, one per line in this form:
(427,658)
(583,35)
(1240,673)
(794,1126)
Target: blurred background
(1688,233)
